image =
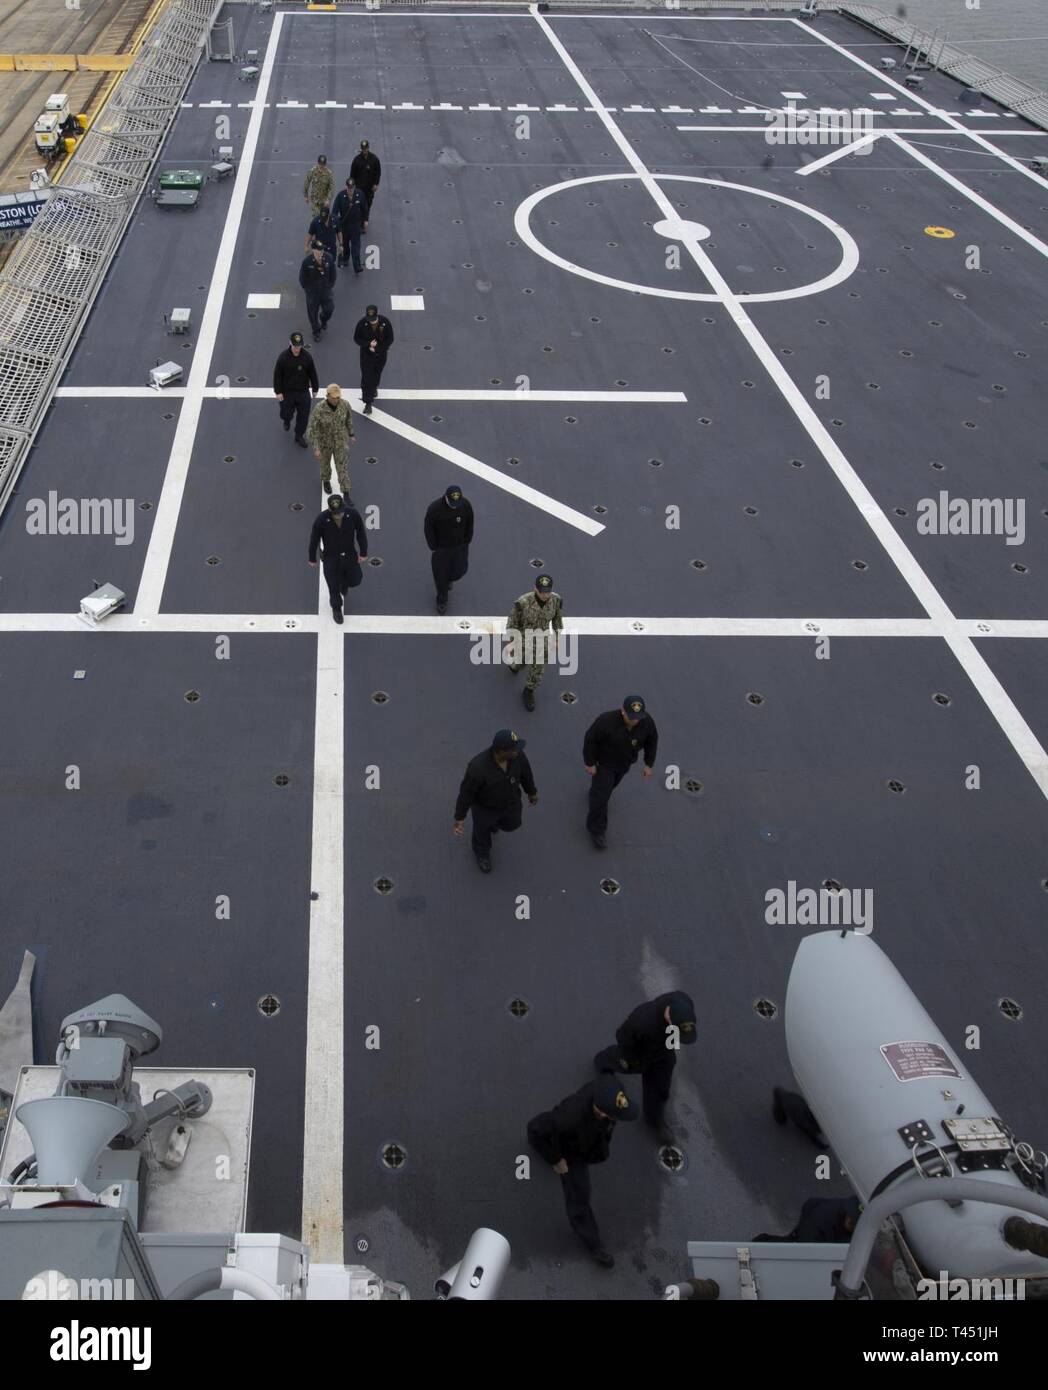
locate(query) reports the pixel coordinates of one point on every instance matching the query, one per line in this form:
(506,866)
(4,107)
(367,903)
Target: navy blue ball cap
(610,1096)
(296,340)
(321,158)
(506,739)
(453,494)
(634,706)
(682,1015)
(544,584)
(335,503)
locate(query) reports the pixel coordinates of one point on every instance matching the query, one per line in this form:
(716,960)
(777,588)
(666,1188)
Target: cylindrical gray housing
(854,1030)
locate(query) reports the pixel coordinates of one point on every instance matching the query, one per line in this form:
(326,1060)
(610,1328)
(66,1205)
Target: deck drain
(383,886)
(145,506)
(693,787)
(905,352)
(375,560)
(750,511)
(831,885)
(858,564)
(241,379)
(749,385)
(213,560)
(295,507)
(610,886)
(570,420)
(169,416)
(939,467)
(1019,569)
(754,698)
(436,419)
(372,458)
(192,696)
(229,458)
(765,1008)
(379,698)
(281,779)
(705,420)
(655,463)
(672,1159)
(896,786)
(569,697)
(513,463)
(269,1005)
(941,699)
(599,509)
(1010,1009)
(699,565)
(537,564)
(547,349)
(796,463)
(901,511)
(518,1007)
(393,1156)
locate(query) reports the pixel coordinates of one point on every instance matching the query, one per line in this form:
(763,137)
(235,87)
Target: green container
(182,179)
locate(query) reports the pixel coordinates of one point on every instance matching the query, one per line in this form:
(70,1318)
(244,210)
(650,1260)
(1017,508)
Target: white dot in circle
(677,229)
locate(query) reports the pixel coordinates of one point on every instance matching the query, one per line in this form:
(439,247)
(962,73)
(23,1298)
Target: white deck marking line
(162,537)
(1014,227)
(265,393)
(640,626)
(839,154)
(921,101)
(483,470)
(1011,722)
(323,1130)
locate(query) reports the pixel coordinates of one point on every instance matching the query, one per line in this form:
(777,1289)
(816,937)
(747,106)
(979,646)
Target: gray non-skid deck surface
(795,788)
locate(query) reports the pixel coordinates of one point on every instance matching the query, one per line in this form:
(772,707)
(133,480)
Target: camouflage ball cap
(610,1096)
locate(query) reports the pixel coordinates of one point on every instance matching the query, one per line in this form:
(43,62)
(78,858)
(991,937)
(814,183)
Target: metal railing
(51,279)
(981,76)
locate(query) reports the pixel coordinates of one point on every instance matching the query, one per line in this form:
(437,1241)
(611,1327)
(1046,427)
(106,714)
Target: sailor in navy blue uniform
(316,275)
(648,1043)
(334,530)
(491,789)
(449,530)
(574,1134)
(612,745)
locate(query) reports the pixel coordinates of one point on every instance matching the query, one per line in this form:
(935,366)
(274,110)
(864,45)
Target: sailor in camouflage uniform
(330,431)
(533,613)
(319,185)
